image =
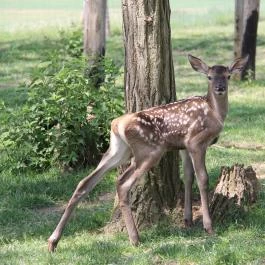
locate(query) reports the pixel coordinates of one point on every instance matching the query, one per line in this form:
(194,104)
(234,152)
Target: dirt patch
(245,146)
(106,197)
(259,169)
(59,208)
(52,209)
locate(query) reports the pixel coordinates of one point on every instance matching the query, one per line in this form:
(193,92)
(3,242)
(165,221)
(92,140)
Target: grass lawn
(32,203)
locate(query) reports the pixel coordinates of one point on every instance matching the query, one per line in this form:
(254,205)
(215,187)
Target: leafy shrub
(72,42)
(66,119)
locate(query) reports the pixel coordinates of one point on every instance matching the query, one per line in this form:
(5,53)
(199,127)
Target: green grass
(31,203)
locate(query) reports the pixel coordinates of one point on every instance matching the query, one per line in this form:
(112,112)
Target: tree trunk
(94,27)
(95,37)
(107,24)
(149,81)
(246,27)
(236,190)
(239,8)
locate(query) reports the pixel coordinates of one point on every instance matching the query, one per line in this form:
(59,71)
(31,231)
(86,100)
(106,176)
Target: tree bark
(95,37)
(236,190)
(239,8)
(94,27)
(246,27)
(107,24)
(149,81)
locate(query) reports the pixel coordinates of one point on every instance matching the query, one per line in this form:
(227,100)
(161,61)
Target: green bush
(65,120)
(71,42)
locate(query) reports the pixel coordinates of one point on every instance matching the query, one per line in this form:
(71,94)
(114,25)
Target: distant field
(39,4)
(30,14)
(77,4)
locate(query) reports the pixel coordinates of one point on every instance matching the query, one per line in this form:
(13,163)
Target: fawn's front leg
(197,155)
(188,181)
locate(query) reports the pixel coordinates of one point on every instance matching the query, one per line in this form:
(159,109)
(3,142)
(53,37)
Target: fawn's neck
(219,103)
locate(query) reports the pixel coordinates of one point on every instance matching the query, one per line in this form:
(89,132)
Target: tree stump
(235,192)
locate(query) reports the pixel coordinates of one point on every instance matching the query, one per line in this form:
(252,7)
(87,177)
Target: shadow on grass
(164,240)
(242,114)
(238,241)
(20,57)
(24,196)
(13,97)
(20,49)
(99,252)
(208,46)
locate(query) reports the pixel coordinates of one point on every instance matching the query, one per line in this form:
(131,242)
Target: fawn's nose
(220,85)
(220,88)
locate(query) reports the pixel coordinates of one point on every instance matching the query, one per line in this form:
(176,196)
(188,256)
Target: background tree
(95,36)
(239,7)
(246,27)
(149,81)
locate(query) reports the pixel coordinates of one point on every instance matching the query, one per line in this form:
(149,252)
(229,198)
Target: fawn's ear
(198,65)
(238,65)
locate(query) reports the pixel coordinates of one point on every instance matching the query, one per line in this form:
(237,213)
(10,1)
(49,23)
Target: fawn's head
(218,75)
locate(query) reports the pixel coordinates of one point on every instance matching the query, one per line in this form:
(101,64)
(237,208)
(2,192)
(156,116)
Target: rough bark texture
(149,81)
(149,76)
(246,27)
(236,190)
(94,37)
(239,8)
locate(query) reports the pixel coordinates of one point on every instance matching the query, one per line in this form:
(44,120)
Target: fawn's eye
(209,77)
(228,77)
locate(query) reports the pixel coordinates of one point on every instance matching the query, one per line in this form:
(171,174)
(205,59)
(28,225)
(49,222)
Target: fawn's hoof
(52,245)
(209,230)
(135,241)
